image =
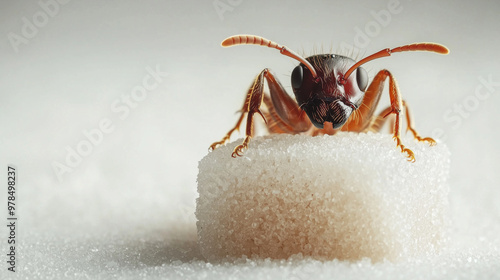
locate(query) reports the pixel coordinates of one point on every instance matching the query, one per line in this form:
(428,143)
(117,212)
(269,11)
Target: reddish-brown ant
(328,97)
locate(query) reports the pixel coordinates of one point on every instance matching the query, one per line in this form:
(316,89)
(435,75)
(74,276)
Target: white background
(63,76)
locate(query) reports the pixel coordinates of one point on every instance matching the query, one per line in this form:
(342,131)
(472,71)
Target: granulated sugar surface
(346,197)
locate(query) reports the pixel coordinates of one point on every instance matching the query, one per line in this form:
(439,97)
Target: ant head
(323,97)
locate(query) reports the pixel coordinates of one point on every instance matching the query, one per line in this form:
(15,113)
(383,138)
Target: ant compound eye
(361,78)
(297,77)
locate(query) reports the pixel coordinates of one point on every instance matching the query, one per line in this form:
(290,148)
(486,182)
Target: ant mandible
(328,97)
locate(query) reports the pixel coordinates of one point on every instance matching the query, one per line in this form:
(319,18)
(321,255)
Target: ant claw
(214,146)
(409,153)
(411,158)
(238,151)
(429,140)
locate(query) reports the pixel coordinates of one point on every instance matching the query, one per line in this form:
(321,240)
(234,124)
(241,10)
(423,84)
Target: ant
(331,93)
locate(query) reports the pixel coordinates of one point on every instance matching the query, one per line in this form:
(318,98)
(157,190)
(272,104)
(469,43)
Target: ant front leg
(251,106)
(283,113)
(373,95)
(396,104)
(236,127)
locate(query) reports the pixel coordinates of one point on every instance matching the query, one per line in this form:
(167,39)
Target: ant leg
(283,109)
(215,145)
(236,127)
(409,121)
(284,114)
(373,96)
(362,118)
(251,106)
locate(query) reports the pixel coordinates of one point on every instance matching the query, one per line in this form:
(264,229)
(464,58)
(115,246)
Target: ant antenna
(257,40)
(429,47)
